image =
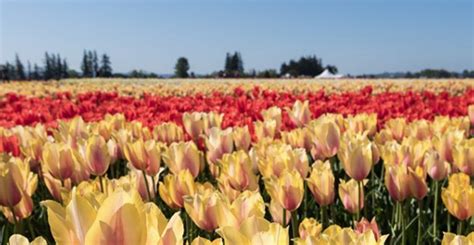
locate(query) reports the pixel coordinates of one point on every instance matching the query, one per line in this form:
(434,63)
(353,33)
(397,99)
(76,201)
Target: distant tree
(95,64)
(270,73)
(19,69)
(305,66)
(36,72)
(332,69)
(228,63)
(105,69)
(85,65)
(234,65)
(28,73)
(48,67)
(64,69)
(58,67)
(181,68)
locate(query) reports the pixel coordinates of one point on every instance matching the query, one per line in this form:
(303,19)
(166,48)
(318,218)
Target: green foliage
(181,68)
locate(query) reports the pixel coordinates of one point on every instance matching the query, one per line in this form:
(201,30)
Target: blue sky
(367,36)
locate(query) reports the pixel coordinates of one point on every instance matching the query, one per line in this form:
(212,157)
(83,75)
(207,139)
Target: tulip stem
(294,229)
(420,210)
(449,221)
(154,184)
(146,185)
(101,184)
(402,219)
(460,227)
(435,210)
(359,185)
(284,217)
(323,216)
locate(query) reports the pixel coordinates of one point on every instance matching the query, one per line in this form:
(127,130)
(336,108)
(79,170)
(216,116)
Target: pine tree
(48,67)
(95,64)
(36,72)
(29,71)
(228,63)
(85,66)
(105,69)
(65,69)
(19,69)
(58,67)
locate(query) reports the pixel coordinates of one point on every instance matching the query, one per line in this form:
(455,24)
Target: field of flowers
(237,162)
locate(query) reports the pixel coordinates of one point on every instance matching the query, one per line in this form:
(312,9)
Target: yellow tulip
(144,156)
(324,139)
(183,155)
(297,138)
(463,156)
(247,204)
(276,158)
(273,113)
(255,230)
(309,227)
(218,143)
(458,197)
(453,239)
(352,195)
(197,123)
(97,155)
(396,127)
(242,138)
(397,182)
(357,155)
(444,124)
(419,129)
(214,120)
(58,160)
(321,183)
(236,169)
(364,225)
(168,133)
(437,168)
(204,241)
(470,113)
(204,208)
(287,190)
(300,113)
(446,143)
(175,187)
(362,123)
(417,183)
(265,129)
(276,211)
(18,239)
(11,183)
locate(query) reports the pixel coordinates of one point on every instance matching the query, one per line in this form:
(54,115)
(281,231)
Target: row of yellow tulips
(181,87)
(118,182)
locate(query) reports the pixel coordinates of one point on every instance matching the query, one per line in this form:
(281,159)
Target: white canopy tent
(328,75)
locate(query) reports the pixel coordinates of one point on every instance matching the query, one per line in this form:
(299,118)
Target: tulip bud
(168,133)
(17,239)
(417,182)
(458,197)
(194,123)
(463,156)
(419,129)
(265,129)
(437,168)
(454,239)
(241,137)
(183,155)
(357,155)
(396,128)
(276,211)
(349,193)
(175,187)
(321,183)
(273,113)
(287,189)
(97,155)
(324,139)
(362,123)
(11,182)
(300,114)
(144,156)
(297,138)
(397,182)
(236,169)
(446,143)
(218,143)
(203,208)
(58,160)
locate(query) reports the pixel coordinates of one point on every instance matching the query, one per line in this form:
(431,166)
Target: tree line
(55,67)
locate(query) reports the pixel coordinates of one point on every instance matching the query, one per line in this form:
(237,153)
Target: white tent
(328,75)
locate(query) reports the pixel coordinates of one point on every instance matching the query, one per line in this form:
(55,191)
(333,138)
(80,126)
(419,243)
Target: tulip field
(237,162)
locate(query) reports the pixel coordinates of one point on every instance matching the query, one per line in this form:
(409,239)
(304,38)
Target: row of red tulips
(240,108)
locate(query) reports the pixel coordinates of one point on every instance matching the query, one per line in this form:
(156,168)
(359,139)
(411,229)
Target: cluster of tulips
(116,181)
(239,108)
